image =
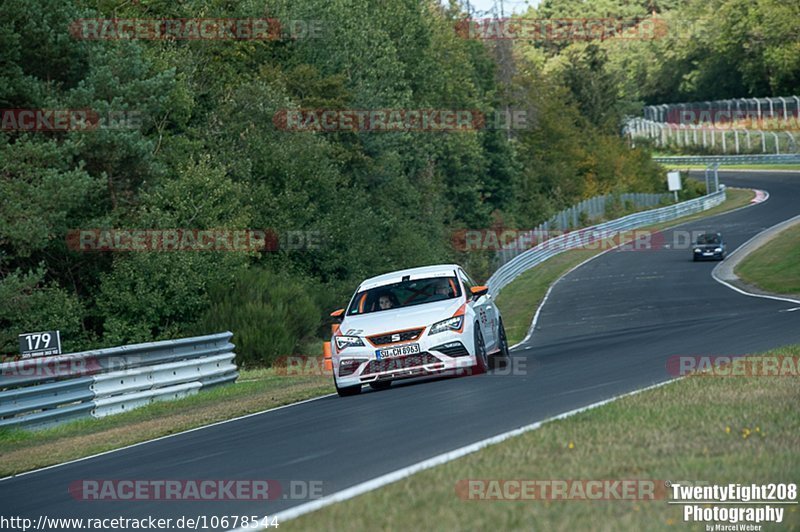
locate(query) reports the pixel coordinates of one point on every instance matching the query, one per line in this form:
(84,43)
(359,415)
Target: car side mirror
(338,315)
(478,291)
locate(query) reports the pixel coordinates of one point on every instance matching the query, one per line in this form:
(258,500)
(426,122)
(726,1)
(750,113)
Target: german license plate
(398,351)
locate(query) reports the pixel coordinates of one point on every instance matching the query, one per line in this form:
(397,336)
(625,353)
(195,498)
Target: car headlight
(348,341)
(450,324)
(697,250)
(718,250)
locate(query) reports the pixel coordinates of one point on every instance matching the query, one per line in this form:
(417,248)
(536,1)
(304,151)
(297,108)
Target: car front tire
(501,359)
(481,358)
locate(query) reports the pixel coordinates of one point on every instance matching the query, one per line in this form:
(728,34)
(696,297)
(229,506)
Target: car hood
(384,321)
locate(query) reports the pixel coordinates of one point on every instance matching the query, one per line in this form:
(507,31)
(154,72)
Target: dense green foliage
(704,50)
(207,155)
(268,311)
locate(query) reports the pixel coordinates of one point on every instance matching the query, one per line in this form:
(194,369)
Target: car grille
(452,349)
(405,336)
(405,362)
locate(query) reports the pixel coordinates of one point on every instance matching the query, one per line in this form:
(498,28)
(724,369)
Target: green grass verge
(256,390)
(775,267)
(700,429)
(519,300)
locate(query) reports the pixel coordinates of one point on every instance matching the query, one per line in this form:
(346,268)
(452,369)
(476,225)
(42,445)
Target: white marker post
(674,183)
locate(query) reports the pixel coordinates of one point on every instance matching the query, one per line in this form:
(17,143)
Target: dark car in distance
(709,246)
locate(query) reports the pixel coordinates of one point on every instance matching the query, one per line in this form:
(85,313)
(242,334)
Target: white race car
(416,322)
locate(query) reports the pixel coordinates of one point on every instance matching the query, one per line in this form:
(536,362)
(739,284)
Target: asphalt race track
(608,328)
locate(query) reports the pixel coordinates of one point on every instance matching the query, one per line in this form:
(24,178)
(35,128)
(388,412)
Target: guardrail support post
(793,142)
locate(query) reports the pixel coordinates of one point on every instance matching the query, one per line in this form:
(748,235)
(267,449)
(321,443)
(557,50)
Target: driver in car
(385,302)
(443,288)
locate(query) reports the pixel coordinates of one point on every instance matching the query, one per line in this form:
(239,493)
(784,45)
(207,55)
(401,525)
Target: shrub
(269,313)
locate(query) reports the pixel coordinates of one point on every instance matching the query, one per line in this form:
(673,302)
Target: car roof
(438,270)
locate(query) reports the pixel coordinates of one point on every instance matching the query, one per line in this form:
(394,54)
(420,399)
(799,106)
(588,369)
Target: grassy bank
(775,267)
(700,429)
(519,300)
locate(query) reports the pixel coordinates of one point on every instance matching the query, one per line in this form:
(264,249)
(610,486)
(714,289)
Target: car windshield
(709,238)
(404,294)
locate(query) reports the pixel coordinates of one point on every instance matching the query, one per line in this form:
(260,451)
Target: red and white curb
(761,196)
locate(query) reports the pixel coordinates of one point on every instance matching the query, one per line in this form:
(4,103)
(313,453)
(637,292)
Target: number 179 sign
(40,344)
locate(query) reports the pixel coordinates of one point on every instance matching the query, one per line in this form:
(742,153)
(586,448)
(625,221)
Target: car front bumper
(713,256)
(440,353)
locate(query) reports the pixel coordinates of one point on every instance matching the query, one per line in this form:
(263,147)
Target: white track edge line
(745,292)
(394,476)
(222,422)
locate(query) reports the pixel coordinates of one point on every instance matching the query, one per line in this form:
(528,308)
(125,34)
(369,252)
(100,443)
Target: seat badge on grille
(395,338)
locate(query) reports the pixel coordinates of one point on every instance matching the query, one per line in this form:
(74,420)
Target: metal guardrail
(583,237)
(724,139)
(596,206)
(44,391)
(592,208)
(792,158)
(722,111)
